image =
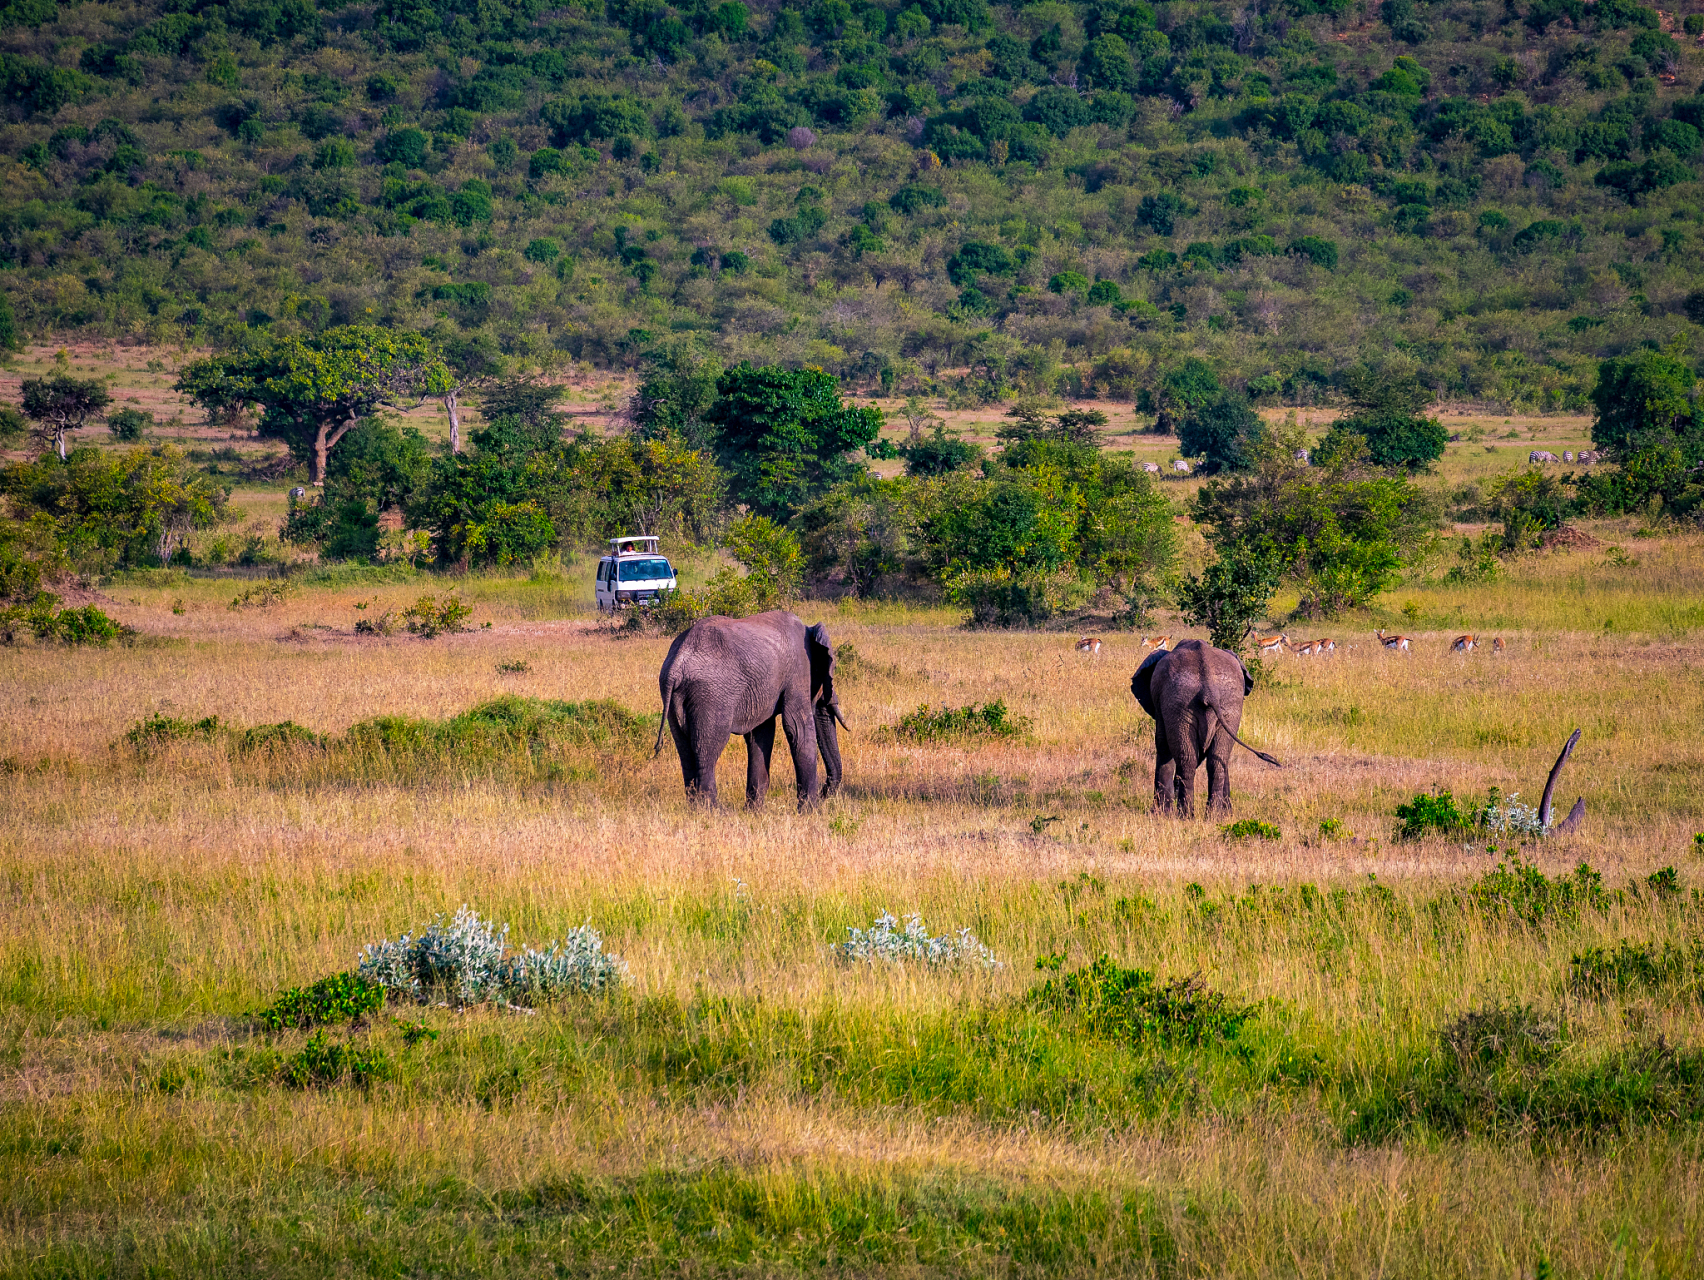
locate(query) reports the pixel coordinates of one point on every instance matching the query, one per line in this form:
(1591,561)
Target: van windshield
(645,571)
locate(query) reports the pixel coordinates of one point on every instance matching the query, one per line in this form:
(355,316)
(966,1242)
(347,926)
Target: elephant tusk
(835,712)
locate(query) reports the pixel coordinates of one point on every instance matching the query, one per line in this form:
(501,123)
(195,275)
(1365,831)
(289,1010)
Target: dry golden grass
(148,901)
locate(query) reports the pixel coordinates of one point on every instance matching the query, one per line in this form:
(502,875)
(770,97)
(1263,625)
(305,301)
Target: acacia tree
(58,405)
(470,363)
(313,390)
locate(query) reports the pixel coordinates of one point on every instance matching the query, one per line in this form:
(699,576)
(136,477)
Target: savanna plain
(1324,1051)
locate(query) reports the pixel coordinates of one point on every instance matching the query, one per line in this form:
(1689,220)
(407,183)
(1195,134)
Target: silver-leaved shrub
(889,939)
(466,960)
(1510,817)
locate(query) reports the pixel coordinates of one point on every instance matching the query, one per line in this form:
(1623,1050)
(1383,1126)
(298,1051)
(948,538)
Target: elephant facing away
(736,675)
(1195,695)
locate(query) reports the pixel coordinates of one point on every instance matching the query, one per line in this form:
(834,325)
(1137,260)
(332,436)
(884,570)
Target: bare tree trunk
(324,439)
(59,441)
(454,410)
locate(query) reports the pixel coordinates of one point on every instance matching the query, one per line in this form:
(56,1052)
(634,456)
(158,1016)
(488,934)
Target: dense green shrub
(343,997)
(1126,1005)
(990,719)
(1431,812)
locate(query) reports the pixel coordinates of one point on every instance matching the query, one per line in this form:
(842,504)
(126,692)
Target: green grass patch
(513,738)
(985,720)
(1601,972)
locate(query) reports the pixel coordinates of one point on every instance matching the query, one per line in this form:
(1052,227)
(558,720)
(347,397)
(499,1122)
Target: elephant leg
(1165,769)
(706,742)
(1188,762)
(1219,775)
(801,741)
(760,749)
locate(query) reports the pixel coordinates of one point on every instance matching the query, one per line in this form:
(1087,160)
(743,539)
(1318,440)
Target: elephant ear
(1141,684)
(1248,680)
(821,650)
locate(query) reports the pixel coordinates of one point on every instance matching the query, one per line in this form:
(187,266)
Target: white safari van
(632,573)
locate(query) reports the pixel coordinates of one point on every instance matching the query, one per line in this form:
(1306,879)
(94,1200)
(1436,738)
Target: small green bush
(157,730)
(263,594)
(1664,883)
(1245,828)
(87,625)
(1598,972)
(1427,812)
(1120,1004)
(990,719)
(430,616)
(1522,892)
(343,997)
(273,738)
(319,1062)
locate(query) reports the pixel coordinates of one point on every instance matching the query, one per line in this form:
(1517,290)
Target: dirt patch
(1568,536)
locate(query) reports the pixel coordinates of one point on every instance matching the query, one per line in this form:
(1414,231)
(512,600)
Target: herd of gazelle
(1279,643)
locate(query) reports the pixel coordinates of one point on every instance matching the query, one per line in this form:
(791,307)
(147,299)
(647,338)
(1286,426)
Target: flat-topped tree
(313,390)
(58,405)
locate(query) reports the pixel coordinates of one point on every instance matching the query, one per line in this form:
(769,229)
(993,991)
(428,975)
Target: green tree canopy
(313,390)
(784,436)
(109,509)
(1340,529)
(1387,417)
(1224,432)
(59,404)
(1645,401)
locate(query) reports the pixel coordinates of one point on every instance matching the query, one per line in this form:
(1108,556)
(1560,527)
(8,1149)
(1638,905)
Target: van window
(645,571)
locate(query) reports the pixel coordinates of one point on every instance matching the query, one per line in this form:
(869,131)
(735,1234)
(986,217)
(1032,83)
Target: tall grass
(751,1102)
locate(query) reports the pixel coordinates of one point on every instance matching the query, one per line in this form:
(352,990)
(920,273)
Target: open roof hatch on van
(634,546)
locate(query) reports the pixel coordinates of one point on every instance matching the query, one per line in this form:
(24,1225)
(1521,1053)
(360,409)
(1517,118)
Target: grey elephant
(1195,695)
(736,675)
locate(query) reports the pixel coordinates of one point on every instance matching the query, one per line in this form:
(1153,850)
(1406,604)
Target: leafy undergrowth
(1601,972)
(985,720)
(1518,1072)
(511,737)
(343,997)
(1246,828)
(1108,1044)
(1126,1006)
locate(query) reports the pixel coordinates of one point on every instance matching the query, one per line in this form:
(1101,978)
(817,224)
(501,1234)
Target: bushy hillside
(1493,195)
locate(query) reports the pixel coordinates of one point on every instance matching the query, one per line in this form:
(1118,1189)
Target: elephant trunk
(828,746)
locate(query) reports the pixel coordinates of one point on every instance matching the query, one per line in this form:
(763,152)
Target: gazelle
(1272,644)
(1089,645)
(1155,642)
(1399,643)
(1464,644)
(1325,646)
(1305,650)
(1497,645)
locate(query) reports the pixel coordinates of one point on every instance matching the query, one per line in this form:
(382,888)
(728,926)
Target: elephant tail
(663,724)
(1213,715)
